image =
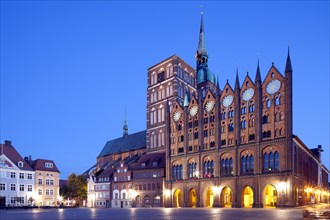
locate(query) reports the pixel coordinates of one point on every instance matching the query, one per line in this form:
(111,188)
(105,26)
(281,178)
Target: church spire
(201,42)
(288,67)
(202,70)
(125,127)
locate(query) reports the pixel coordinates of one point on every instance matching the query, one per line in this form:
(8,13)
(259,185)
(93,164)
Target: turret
(258,105)
(288,76)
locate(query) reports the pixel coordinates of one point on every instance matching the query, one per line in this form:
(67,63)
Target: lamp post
(168,196)
(283,189)
(216,190)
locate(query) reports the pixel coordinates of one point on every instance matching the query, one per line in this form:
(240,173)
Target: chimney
(319,149)
(7,143)
(28,160)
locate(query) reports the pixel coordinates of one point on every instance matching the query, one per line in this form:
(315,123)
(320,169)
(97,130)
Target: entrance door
(121,204)
(2,201)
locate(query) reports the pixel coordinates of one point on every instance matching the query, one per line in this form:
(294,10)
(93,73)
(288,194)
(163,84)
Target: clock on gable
(248,94)
(193,111)
(209,106)
(273,86)
(226,101)
(176,115)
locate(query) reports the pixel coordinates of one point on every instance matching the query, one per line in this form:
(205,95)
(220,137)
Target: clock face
(248,94)
(273,86)
(176,115)
(226,101)
(209,106)
(193,111)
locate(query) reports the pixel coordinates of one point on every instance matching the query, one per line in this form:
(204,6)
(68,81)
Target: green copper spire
(201,42)
(203,72)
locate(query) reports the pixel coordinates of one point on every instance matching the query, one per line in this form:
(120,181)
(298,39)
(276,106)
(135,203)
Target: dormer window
(48,165)
(155,163)
(143,164)
(20,164)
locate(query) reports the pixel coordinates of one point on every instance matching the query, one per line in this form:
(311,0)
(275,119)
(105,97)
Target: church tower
(169,81)
(205,78)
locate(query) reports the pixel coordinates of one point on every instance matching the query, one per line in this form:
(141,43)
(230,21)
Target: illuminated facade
(17,186)
(47,183)
(207,146)
(234,147)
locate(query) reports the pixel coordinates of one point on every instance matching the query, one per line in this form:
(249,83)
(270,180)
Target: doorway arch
(226,197)
(247,197)
(209,198)
(177,198)
(270,196)
(192,200)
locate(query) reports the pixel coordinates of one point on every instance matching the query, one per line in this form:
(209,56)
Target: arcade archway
(270,196)
(209,198)
(247,197)
(226,197)
(177,198)
(192,200)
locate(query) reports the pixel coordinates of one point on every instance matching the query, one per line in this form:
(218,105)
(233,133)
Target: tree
(76,187)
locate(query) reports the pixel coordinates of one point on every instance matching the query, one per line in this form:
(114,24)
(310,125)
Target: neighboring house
(16,178)
(102,188)
(148,180)
(47,182)
(124,150)
(90,191)
(122,187)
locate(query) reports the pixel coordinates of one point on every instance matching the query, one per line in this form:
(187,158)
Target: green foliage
(76,187)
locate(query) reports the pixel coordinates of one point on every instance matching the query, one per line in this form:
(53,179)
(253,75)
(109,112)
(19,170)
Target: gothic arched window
(278,100)
(268,103)
(276,161)
(266,162)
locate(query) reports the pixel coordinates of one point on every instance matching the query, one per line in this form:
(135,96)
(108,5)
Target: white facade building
(17,178)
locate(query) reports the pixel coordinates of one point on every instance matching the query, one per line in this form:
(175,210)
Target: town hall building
(232,146)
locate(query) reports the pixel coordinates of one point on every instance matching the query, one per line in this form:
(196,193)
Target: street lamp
(168,194)
(282,187)
(197,173)
(216,190)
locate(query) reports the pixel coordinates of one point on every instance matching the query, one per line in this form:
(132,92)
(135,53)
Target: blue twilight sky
(69,68)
